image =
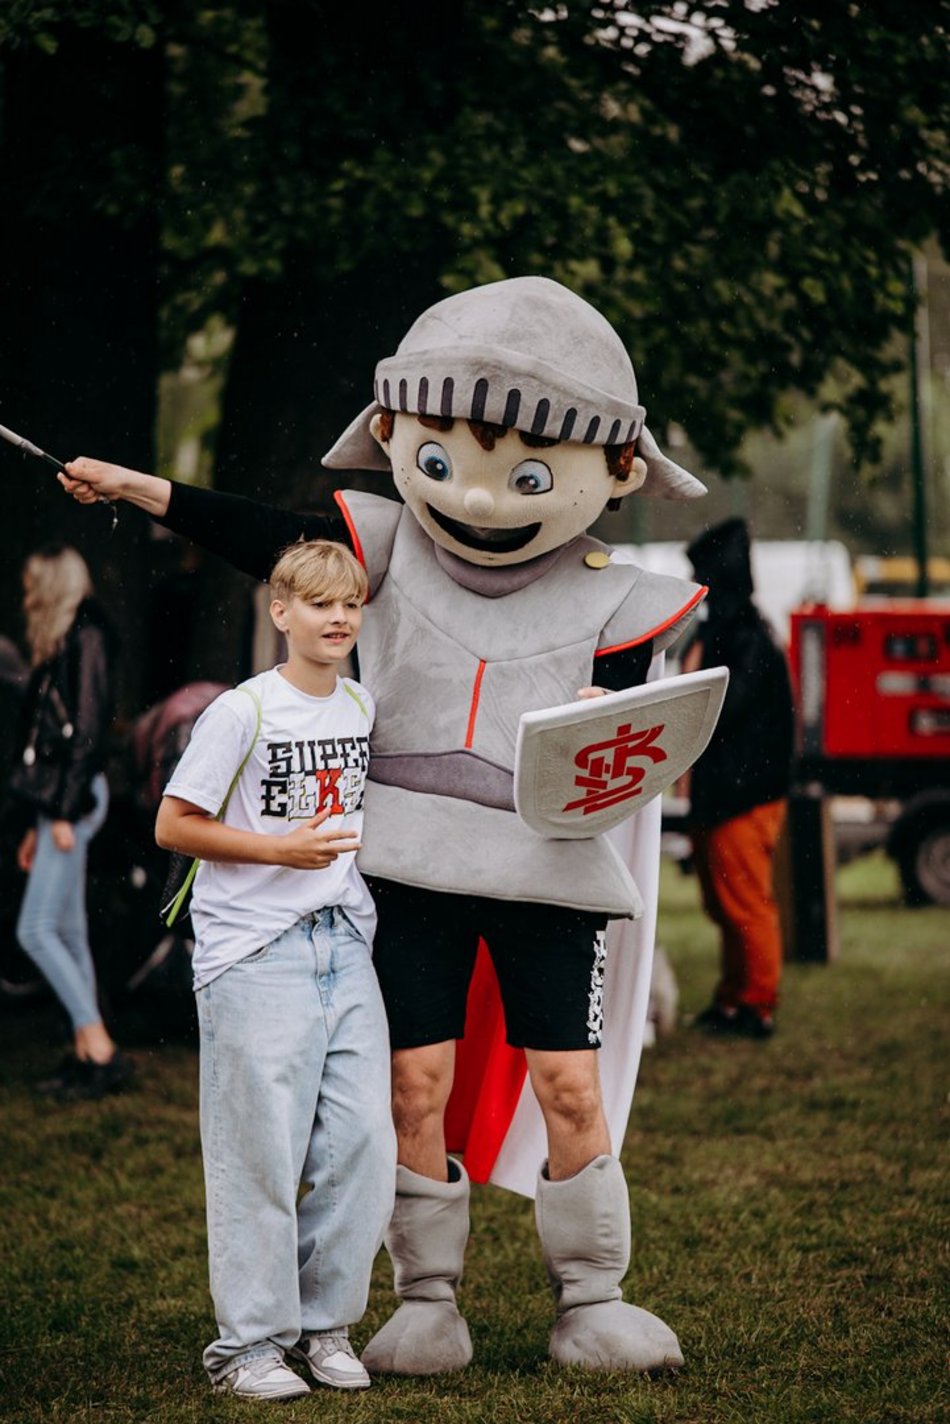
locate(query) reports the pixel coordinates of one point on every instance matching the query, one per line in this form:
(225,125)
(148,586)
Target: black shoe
(753,1023)
(63,1075)
(717,1019)
(80,1079)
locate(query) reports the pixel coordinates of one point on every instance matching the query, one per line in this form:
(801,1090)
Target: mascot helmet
(527,354)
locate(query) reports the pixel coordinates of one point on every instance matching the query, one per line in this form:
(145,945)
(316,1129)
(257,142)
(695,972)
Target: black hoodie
(748,760)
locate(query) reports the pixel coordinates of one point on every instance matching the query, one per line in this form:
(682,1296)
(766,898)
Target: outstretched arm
(248,534)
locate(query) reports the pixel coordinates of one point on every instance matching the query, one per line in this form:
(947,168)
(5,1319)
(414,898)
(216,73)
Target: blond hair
(318,568)
(55,582)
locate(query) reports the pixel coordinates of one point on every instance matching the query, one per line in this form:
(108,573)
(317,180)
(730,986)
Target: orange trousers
(734,864)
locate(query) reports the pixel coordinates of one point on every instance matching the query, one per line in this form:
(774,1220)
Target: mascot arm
(248,534)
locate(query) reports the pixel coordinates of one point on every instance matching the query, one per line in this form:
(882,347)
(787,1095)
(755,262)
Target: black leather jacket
(65,720)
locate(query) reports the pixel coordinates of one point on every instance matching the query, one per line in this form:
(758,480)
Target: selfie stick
(29,448)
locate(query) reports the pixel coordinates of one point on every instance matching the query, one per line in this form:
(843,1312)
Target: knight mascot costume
(521,720)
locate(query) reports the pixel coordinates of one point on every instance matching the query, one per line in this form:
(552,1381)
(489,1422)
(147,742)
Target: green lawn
(789,1207)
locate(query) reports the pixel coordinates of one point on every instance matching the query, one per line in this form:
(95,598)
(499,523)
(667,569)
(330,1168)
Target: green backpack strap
(356,698)
(258,713)
(174,909)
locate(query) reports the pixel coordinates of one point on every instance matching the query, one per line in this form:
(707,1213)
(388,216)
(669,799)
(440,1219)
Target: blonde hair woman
(61,796)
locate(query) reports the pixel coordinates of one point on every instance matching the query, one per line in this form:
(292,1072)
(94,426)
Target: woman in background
(61,797)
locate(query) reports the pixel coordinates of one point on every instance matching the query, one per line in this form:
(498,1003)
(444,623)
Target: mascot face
(501,505)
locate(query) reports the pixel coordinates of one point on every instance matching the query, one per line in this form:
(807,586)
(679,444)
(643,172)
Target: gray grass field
(789,1206)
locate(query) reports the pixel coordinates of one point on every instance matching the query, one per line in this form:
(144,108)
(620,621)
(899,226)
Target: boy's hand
(309,848)
(585,692)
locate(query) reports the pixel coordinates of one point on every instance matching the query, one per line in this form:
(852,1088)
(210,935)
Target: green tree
(736,183)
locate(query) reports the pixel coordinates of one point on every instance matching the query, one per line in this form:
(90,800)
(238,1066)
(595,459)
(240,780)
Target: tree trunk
(307,343)
(79,303)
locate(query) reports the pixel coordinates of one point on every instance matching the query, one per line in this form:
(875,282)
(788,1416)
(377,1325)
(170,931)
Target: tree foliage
(736,183)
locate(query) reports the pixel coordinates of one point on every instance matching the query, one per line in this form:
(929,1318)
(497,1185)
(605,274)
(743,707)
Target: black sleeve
(250,535)
(627,668)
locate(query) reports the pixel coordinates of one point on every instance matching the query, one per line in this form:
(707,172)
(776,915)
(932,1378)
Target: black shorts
(549,961)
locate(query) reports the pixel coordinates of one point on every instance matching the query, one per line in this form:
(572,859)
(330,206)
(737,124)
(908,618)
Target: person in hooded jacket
(739,786)
(60,797)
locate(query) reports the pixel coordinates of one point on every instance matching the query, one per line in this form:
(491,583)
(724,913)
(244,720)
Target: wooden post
(805,880)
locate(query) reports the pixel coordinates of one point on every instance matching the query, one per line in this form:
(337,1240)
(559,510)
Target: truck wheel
(925,866)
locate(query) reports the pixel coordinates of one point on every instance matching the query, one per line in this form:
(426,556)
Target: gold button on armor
(597,559)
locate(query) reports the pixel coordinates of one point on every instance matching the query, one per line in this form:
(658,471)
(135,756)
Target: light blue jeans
(297,1138)
(52,926)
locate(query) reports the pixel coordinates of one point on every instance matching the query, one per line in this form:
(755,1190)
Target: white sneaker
(262,1378)
(330,1359)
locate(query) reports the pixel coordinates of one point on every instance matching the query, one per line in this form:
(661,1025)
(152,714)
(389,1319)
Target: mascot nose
(479,504)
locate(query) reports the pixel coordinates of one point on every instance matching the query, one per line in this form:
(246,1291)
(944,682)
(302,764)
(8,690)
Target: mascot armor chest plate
(453,666)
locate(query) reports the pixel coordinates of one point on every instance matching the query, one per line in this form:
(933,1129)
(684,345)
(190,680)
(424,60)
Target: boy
(297,1138)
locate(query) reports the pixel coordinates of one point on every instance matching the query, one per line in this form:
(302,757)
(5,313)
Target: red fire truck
(873,697)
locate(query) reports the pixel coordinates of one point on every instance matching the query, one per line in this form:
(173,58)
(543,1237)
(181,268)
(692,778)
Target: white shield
(585,767)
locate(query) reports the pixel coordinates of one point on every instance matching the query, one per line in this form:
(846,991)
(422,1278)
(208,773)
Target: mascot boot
(584,1226)
(426,1240)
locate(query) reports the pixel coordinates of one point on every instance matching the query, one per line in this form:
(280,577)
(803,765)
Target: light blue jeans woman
(52,928)
(297,1138)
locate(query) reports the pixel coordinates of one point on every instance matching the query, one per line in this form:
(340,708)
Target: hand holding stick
(29,448)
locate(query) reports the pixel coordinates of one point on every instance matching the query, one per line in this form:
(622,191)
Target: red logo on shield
(611,771)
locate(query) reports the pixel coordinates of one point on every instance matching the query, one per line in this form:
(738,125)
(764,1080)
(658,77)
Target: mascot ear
(633,481)
(627,483)
(381,430)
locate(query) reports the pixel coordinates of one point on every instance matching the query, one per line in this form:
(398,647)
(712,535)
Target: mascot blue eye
(434,461)
(531,477)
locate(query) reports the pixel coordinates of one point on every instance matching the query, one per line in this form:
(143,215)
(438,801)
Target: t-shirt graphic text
(303,778)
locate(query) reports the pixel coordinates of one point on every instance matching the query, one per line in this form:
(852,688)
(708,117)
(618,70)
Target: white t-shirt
(310,752)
